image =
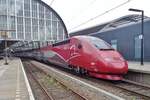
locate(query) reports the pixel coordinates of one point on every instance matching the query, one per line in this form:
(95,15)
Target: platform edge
(31,96)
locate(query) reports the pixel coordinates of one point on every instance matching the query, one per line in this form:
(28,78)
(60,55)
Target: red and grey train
(86,55)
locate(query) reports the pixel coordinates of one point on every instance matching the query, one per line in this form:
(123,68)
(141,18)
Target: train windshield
(100,44)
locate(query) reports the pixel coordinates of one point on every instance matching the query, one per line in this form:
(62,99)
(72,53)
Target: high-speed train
(83,54)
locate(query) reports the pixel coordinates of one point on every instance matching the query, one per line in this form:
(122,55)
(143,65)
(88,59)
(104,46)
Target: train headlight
(108,59)
(93,63)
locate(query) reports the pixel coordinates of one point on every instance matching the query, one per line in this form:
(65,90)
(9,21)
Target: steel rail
(40,85)
(129,88)
(121,85)
(118,86)
(58,81)
(136,83)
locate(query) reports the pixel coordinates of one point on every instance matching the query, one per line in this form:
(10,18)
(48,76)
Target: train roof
(85,37)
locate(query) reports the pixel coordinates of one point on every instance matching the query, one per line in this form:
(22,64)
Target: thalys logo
(73,52)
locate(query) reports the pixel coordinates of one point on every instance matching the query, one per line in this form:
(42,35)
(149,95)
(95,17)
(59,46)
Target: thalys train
(83,54)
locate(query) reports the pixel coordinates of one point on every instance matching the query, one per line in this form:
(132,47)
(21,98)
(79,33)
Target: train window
(62,42)
(100,44)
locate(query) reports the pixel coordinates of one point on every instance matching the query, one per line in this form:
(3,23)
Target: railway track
(136,88)
(49,93)
(132,88)
(129,89)
(46,95)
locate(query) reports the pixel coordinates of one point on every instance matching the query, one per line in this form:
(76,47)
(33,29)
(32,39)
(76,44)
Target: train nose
(114,66)
(112,63)
(118,67)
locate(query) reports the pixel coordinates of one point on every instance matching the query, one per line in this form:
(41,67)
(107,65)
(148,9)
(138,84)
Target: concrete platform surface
(137,67)
(13,82)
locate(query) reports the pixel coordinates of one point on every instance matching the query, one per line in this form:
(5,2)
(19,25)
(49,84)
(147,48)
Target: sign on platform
(140,36)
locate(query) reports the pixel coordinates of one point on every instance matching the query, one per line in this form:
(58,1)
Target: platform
(137,67)
(13,81)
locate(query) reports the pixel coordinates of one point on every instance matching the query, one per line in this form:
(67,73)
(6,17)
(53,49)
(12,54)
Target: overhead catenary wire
(91,19)
(85,9)
(52,2)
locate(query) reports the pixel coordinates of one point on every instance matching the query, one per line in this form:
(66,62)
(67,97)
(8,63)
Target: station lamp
(142,32)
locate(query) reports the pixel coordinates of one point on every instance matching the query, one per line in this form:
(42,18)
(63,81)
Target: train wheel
(71,67)
(80,71)
(83,71)
(77,70)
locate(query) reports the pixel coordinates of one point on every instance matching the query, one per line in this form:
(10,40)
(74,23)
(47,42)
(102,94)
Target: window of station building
(41,15)
(114,44)
(35,28)
(54,18)
(42,29)
(48,14)
(3,7)
(41,11)
(20,35)
(60,31)
(41,22)
(34,3)
(26,5)
(19,7)
(48,29)
(35,32)
(13,35)
(27,13)
(35,22)
(27,21)
(137,47)
(20,20)
(12,26)
(54,30)
(42,33)
(34,9)
(28,36)
(3,22)
(35,35)
(27,1)
(48,33)
(28,28)
(20,30)
(11,7)
(34,14)
(27,8)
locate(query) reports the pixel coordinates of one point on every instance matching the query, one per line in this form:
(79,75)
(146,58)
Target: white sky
(75,12)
